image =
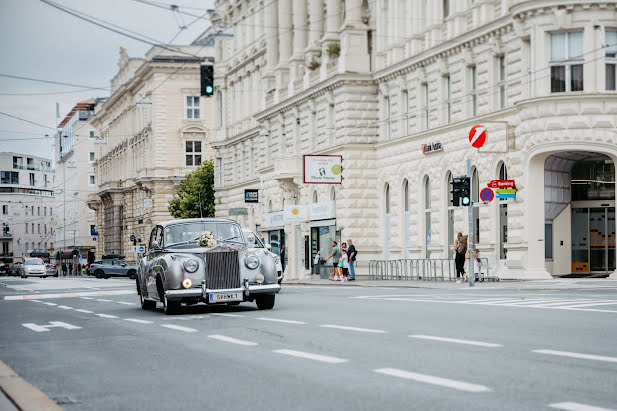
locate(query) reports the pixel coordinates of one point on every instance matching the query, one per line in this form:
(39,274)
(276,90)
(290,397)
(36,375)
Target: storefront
(274,234)
(323,231)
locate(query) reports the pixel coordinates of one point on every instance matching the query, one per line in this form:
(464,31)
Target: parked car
(34,267)
(15,270)
(51,270)
(204,260)
(113,268)
(253,242)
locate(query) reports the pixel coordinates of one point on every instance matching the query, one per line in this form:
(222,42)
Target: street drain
(64,400)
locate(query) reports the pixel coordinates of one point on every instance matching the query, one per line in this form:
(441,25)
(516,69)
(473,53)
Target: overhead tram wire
(53,82)
(27,121)
(90,19)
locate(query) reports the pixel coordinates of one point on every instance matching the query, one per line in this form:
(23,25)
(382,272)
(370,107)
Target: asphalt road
(320,348)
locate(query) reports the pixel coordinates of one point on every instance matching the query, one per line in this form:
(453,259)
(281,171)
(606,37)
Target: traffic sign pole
(472,276)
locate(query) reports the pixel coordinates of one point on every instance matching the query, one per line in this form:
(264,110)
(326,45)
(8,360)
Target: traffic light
(460,191)
(207,80)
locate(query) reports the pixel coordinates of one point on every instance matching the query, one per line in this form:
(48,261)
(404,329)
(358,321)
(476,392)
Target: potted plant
(333,50)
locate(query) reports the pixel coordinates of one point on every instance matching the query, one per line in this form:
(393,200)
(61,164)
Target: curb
(357,285)
(22,394)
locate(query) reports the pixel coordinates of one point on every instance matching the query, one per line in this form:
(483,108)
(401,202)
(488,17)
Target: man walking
(351,257)
(64,269)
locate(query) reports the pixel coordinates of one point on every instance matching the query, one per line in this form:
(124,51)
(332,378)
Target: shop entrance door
(593,240)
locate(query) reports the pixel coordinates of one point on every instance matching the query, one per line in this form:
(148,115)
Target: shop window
(193,153)
(611,59)
(192,108)
(475,196)
(566,61)
(548,240)
(427,213)
(406,217)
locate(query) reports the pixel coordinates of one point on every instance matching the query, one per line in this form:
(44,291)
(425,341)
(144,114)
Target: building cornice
(245,135)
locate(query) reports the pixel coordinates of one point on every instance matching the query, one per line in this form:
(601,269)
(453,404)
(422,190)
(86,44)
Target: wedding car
(253,242)
(204,260)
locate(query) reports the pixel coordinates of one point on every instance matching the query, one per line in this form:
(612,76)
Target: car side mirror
(268,246)
(155,245)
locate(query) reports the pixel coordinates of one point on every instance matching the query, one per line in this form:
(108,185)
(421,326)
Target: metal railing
(434,269)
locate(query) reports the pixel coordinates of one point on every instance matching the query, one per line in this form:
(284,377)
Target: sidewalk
(562,284)
(18,394)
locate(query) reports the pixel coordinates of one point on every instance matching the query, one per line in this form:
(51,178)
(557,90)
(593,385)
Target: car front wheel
(132,275)
(171,307)
(98,273)
(146,304)
(265,302)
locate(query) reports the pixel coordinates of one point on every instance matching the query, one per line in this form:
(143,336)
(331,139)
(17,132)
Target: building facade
(27,202)
(75,149)
(395,87)
(151,131)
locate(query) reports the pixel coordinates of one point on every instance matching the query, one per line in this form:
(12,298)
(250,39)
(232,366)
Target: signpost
(472,275)
(487,195)
(501,184)
(477,136)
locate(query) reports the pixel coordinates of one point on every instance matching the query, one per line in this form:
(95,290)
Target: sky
(42,42)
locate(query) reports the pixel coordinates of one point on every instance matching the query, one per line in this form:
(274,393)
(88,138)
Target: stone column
(354,47)
(272,45)
(284,28)
(419,12)
(332,19)
(316,23)
(299,44)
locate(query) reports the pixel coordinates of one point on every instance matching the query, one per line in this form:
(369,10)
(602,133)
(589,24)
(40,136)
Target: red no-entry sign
(477,136)
(487,195)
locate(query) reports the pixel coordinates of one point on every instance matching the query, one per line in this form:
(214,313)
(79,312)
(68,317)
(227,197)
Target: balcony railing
(32,167)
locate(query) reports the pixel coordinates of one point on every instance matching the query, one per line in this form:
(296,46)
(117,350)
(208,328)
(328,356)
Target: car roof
(196,220)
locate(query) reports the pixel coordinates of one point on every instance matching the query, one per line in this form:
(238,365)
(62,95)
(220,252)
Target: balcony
(288,167)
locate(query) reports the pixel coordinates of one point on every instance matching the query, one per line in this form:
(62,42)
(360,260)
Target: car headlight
(251,261)
(187,283)
(191,265)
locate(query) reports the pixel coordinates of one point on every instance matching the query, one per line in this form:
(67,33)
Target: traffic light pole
(472,275)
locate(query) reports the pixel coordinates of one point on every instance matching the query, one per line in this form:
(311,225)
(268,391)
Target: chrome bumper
(203,291)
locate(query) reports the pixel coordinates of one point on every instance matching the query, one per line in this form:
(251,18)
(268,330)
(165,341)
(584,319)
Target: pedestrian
(64,269)
(344,261)
(351,258)
(70,268)
(79,268)
(460,248)
(336,258)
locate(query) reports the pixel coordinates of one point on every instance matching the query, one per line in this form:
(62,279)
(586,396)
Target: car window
(252,241)
(34,261)
(152,238)
(179,233)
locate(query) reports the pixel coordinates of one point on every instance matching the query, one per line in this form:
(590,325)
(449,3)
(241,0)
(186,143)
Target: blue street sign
(506,195)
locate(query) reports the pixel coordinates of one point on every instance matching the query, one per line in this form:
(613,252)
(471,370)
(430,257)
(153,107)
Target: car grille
(222,270)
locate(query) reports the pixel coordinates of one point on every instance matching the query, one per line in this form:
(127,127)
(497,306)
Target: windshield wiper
(230,239)
(183,242)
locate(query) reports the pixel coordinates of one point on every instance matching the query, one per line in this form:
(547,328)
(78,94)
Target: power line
(27,121)
(53,82)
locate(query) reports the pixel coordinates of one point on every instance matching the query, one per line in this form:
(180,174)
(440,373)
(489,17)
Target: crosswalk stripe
(179,328)
(232,340)
(430,379)
(583,356)
(575,406)
(311,356)
(456,341)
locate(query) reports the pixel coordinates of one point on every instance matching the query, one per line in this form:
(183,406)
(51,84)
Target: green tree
(198,184)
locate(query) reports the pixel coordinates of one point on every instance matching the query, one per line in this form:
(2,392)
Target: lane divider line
(227,315)
(50,304)
(577,355)
(179,328)
(430,379)
(278,320)
(125,303)
(232,340)
(344,327)
(455,340)
(36,301)
(64,307)
(81,310)
(87,298)
(103,300)
(311,356)
(107,316)
(575,406)
(136,320)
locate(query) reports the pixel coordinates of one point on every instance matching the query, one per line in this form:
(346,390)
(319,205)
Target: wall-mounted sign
(251,196)
(238,211)
(276,219)
(501,184)
(296,213)
(477,136)
(431,148)
(148,203)
(323,169)
(323,211)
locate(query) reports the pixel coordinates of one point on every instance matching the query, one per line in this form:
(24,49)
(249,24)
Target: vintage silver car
(253,242)
(181,267)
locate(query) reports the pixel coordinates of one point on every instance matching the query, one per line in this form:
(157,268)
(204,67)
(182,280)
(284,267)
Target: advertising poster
(323,169)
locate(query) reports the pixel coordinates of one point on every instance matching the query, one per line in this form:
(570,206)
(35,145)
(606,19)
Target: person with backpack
(460,249)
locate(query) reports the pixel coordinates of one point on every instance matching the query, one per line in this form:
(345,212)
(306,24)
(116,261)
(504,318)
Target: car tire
(234,303)
(99,273)
(146,304)
(171,307)
(132,274)
(265,302)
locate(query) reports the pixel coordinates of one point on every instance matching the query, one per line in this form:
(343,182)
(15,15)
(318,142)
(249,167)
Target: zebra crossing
(592,304)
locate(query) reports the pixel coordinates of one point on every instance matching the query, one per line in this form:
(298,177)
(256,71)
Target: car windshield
(34,261)
(188,232)
(252,241)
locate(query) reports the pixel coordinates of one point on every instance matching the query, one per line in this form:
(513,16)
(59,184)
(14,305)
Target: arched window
(427,214)
(387,198)
(406,218)
(332,194)
(387,231)
(314,196)
(270,206)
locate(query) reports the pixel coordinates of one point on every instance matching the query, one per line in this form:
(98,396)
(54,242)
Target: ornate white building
(377,82)
(155,128)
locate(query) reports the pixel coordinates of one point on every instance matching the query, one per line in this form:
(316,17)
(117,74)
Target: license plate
(224,297)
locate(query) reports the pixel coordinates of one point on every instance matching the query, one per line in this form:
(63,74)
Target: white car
(34,267)
(254,242)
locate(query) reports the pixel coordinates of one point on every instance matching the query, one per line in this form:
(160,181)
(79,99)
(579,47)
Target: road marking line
(36,301)
(232,340)
(87,298)
(429,379)
(538,301)
(278,320)
(343,327)
(135,320)
(310,356)
(81,310)
(577,355)
(591,304)
(179,328)
(199,317)
(575,406)
(64,307)
(456,340)
(562,302)
(227,315)
(105,301)
(51,304)
(106,316)
(122,302)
